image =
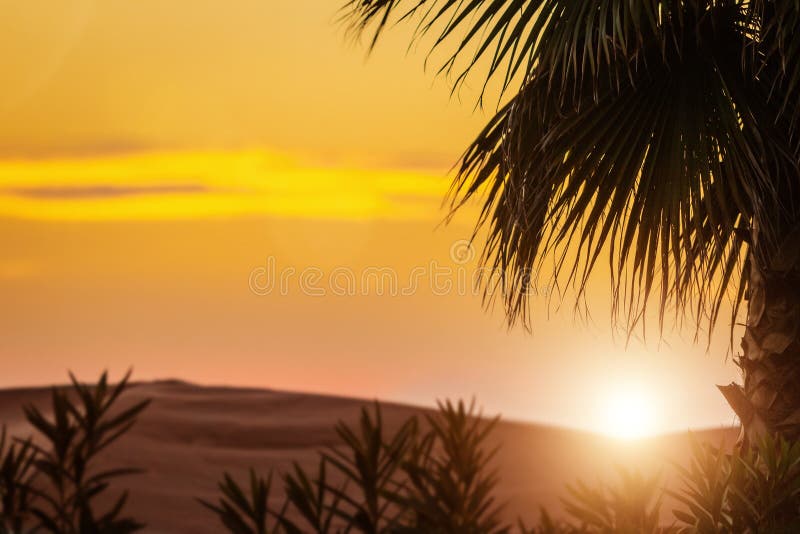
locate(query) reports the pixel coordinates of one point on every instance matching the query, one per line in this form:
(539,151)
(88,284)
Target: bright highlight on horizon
(628,414)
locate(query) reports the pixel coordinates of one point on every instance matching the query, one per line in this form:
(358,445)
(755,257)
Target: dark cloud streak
(96,192)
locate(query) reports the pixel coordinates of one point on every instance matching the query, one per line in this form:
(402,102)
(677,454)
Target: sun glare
(628,414)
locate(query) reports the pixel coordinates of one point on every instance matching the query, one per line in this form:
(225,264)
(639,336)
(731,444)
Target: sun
(628,414)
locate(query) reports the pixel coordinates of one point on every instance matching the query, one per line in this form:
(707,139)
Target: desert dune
(191,434)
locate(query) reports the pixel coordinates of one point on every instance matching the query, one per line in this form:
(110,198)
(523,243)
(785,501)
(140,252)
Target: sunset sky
(159,158)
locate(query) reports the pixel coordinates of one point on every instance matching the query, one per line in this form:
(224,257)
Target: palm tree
(661,133)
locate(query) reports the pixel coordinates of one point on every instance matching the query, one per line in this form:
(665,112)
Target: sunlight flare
(628,413)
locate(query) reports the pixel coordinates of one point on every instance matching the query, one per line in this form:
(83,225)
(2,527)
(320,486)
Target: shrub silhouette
(437,481)
(634,505)
(245,513)
(16,476)
(432,477)
(754,489)
(437,478)
(313,499)
(372,462)
(52,486)
(450,478)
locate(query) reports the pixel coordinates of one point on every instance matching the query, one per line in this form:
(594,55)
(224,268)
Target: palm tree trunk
(769,400)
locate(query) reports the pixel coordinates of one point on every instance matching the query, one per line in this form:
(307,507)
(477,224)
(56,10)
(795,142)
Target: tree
(662,133)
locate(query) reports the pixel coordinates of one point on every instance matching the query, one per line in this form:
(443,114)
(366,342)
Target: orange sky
(156,154)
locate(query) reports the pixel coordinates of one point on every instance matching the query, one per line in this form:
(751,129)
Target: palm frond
(660,134)
(515,37)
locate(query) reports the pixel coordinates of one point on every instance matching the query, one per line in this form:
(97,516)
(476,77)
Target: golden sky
(155,154)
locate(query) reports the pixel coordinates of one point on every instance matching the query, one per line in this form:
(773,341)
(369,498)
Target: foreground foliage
(51,484)
(436,480)
(754,490)
(16,475)
(634,505)
(432,474)
(435,476)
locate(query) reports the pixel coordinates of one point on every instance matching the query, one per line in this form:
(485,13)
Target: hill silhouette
(191,434)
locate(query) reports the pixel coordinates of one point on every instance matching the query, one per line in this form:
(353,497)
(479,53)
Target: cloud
(97,192)
(207,184)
